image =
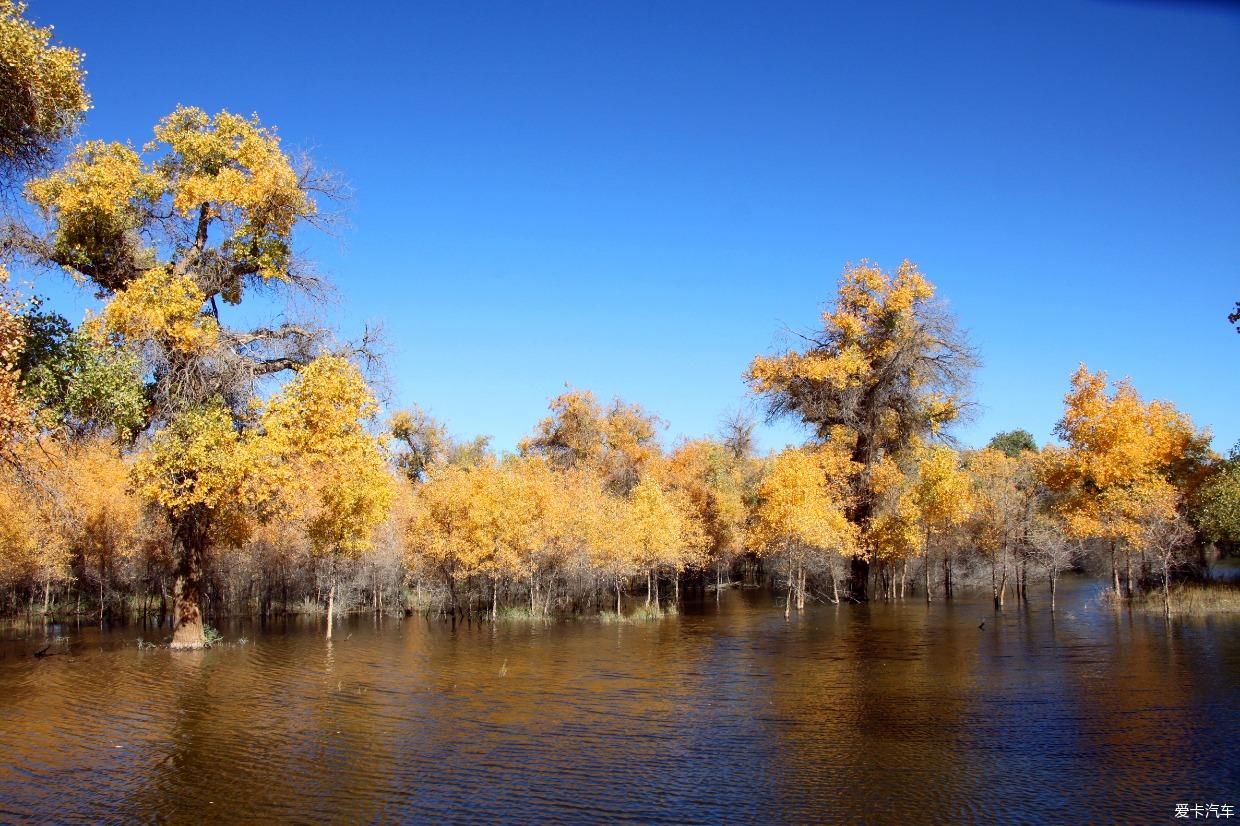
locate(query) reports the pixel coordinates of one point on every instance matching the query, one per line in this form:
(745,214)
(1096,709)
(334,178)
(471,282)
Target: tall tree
(889,364)
(204,214)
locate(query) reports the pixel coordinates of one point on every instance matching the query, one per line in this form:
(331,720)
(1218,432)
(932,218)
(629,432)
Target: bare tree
(1052,550)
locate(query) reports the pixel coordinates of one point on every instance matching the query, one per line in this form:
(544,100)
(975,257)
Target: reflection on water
(877,713)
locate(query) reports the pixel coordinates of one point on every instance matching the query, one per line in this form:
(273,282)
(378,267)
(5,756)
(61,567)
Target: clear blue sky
(636,197)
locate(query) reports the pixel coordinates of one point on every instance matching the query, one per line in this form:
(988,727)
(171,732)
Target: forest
(202,447)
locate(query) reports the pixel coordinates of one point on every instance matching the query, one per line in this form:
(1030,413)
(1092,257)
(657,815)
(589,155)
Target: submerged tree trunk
(331,605)
(190,534)
(1166,570)
(791,585)
(1115,570)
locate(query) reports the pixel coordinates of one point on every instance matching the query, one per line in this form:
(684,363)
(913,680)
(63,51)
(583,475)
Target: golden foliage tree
(889,365)
(323,465)
(1124,462)
(944,497)
(803,499)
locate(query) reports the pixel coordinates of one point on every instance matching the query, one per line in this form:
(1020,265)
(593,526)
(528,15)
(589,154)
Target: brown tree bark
(191,536)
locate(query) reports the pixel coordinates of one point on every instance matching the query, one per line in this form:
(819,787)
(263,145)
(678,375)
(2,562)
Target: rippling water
(871,713)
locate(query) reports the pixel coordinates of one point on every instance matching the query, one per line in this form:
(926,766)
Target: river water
(877,713)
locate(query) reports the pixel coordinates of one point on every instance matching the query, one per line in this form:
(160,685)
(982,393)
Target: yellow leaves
(207,171)
(236,167)
(802,501)
(1122,460)
(97,202)
(319,462)
(15,413)
(943,492)
(163,307)
(661,529)
(197,462)
(44,98)
(618,443)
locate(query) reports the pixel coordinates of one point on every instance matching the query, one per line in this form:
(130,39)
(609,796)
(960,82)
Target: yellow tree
(663,532)
(714,481)
(944,498)
(41,86)
(1003,497)
(96,515)
(803,499)
(205,212)
(618,442)
(895,533)
(327,467)
(889,365)
(1120,455)
(197,470)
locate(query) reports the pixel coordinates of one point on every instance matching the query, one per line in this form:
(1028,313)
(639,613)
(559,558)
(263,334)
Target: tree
(42,98)
(199,471)
(1012,443)
(663,533)
(424,442)
(326,467)
(1003,498)
(803,500)
(889,364)
(1052,549)
(944,498)
(206,212)
(617,442)
(1216,508)
(76,383)
(1122,457)
(1165,534)
(714,479)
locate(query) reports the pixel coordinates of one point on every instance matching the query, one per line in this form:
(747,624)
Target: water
(879,713)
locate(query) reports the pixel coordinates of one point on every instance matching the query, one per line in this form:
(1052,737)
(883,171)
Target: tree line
(163,457)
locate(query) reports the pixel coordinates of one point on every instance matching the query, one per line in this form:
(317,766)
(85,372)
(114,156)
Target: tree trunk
(649,590)
(617,597)
(800,587)
(190,533)
(47,593)
(926,555)
(1128,573)
(331,604)
(494,600)
(1166,589)
(1115,570)
(791,585)
(1053,579)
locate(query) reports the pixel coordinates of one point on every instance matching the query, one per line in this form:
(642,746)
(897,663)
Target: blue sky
(637,197)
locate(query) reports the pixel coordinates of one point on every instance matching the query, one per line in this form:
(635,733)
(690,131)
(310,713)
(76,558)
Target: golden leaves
(43,95)
(1122,460)
(165,307)
(802,501)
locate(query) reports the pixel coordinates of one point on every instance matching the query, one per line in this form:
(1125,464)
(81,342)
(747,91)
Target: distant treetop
(1013,442)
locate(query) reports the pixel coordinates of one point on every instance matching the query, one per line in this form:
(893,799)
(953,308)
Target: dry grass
(1188,600)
